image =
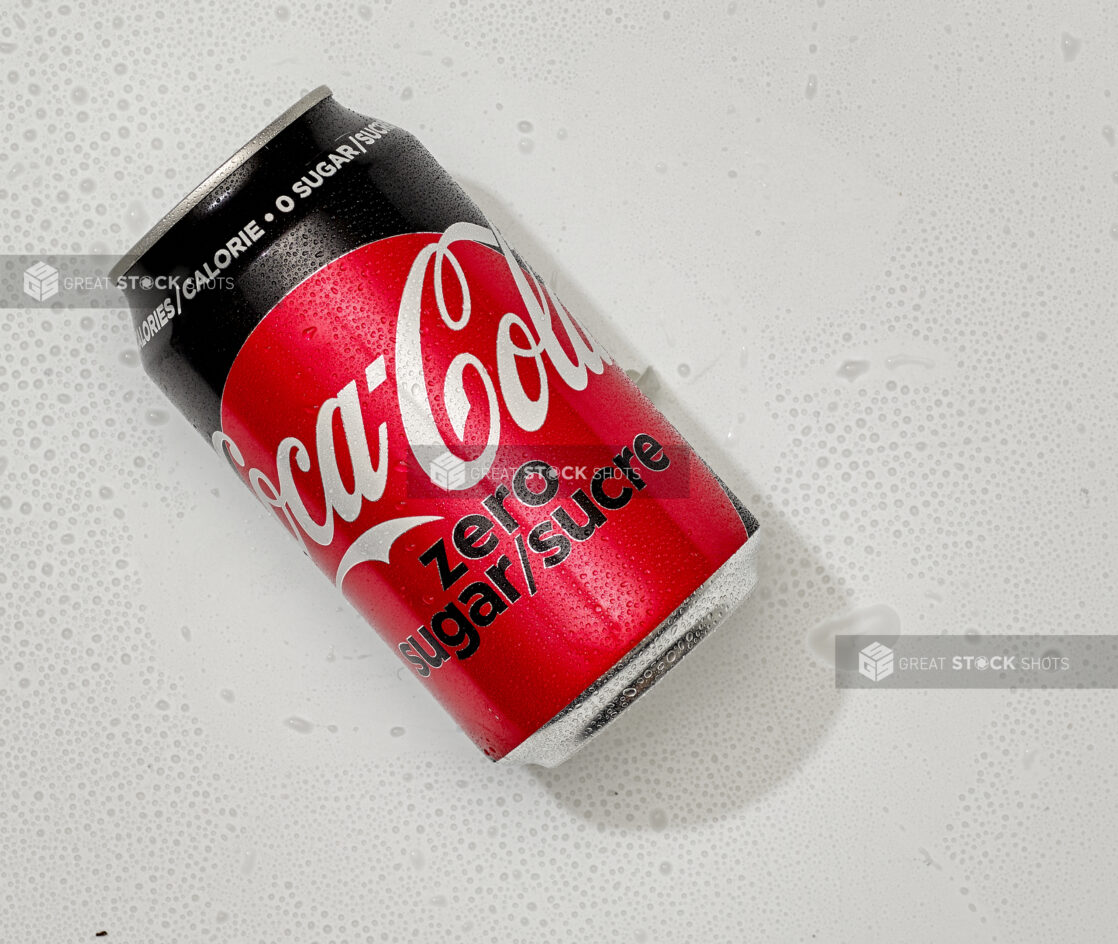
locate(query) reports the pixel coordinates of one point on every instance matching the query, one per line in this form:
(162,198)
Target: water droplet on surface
(646,380)
(877,620)
(852,370)
(524,127)
(812,86)
(1070,45)
(905,360)
(928,860)
(300,725)
(136,217)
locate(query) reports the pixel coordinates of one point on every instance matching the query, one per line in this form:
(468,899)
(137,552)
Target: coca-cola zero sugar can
(451,447)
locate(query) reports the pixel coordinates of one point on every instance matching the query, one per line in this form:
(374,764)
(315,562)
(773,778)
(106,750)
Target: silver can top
(192,199)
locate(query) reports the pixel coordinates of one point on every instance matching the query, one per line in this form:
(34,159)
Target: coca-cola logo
(524,344)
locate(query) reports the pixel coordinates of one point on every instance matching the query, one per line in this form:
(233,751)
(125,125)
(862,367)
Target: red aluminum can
(452,448)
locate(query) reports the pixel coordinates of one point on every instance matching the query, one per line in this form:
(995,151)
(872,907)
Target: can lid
(192,199)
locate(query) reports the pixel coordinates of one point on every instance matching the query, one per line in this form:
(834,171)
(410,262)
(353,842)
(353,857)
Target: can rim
(192,199)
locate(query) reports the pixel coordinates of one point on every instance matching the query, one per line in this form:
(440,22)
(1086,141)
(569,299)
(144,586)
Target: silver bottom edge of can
(643,666)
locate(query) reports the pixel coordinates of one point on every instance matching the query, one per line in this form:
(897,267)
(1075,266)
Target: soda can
(450,445)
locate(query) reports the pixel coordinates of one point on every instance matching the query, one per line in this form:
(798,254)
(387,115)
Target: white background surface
(746,197)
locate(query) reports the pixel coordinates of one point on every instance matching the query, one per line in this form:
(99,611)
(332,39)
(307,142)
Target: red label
(463,459)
